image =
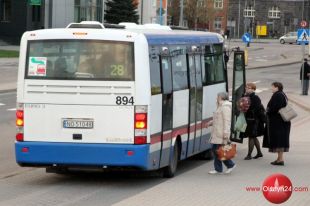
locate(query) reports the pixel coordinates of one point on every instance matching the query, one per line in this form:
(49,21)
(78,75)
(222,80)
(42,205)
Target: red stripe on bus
(198,126)
(156,138)
(205,122)
(192,128)
(180,131)
(167,136)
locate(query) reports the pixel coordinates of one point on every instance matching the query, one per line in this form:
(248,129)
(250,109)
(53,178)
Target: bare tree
(199,13)
(174,12)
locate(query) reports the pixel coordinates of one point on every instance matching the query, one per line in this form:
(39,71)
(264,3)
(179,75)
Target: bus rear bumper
(47,154)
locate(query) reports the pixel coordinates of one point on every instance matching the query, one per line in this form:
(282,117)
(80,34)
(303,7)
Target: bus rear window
(80,60)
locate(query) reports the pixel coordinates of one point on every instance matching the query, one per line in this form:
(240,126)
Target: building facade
(208,15)
(18,16)
(152,11)
(277,16)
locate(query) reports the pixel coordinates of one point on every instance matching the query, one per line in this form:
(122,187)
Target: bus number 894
(124,100)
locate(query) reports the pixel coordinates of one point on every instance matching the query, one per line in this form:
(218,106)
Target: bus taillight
(140,125)
(140,121)
(19,118)
(20,123)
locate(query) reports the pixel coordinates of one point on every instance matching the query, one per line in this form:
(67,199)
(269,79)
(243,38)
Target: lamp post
(181,12)
(161,12)
(239,20)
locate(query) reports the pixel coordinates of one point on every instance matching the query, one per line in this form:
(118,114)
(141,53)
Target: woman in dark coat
(255,121)
(277,133)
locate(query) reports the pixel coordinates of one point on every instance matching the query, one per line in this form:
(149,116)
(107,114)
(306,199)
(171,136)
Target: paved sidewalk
(300,100)
(197,187)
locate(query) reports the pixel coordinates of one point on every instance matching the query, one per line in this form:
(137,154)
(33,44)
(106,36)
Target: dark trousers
(305,87)
(218,163)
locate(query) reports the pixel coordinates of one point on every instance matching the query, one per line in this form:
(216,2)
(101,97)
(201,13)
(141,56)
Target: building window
(218,4)
(218,23)
(249,11)
(274,12)
(88,10)
(201,3)
(6,8)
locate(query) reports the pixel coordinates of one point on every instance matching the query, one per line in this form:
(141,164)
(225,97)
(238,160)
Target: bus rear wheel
(170,170)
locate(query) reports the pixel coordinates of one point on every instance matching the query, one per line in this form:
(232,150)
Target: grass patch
(8,54)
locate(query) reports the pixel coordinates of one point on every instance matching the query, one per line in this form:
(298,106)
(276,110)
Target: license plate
(78,123)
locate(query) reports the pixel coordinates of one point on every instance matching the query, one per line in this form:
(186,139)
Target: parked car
(290,38)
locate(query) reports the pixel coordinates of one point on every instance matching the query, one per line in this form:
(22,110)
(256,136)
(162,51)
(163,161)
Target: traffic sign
(246,38)
(303,24)
(303,35)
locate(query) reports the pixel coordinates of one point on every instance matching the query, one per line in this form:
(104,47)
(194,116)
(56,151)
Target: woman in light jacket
(221,132)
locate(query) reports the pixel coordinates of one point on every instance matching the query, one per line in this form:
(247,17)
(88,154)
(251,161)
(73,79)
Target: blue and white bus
(138,96)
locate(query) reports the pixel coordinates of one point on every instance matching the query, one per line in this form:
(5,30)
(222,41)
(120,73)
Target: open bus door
(238,90)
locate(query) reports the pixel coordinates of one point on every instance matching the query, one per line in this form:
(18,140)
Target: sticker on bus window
(37,66)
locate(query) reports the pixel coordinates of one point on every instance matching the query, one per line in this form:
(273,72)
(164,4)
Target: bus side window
(155,70)
(214,64)
(179,67)
(203,69)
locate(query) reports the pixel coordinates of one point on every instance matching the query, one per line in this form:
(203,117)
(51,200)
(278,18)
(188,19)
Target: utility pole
(141,12)
(239,20)
(181,12)
(161,12)
(253,21)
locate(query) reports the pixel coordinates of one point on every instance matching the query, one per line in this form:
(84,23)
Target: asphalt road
(32,186)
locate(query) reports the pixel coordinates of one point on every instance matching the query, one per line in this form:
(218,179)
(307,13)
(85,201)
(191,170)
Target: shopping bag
(227,151)
(240,124)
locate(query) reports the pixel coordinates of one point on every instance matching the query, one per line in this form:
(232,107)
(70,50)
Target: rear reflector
(25,149)
(19,137)
(130,153)
(140,140)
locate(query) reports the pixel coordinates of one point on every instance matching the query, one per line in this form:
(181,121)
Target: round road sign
(303,24)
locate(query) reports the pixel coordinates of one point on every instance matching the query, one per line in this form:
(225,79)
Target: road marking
(256,82)
(261,60)
(1,104)
(12,109)
(261,90)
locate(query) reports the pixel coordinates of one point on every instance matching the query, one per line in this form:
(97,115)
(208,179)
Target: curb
(7,90)
(273,65)
(299,104)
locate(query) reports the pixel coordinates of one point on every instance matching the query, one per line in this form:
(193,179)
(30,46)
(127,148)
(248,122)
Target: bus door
(167,106)
(192,103)
(238,89)
(199,92)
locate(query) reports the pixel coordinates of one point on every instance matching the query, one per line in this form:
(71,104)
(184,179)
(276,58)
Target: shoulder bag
(287,113)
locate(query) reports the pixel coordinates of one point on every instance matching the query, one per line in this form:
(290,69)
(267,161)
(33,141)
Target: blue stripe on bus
(180,39)
(47,153)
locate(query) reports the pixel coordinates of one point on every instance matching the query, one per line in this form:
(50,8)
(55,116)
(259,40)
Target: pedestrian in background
(220,132)
(277,132)
(305,76)
(255,119)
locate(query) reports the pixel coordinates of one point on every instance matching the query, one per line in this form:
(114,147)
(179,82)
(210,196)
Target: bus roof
(154,36)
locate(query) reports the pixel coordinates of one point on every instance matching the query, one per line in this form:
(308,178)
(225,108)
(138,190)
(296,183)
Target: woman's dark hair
(278,85)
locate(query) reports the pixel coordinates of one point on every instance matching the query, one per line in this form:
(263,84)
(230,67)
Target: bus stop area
(244,185)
